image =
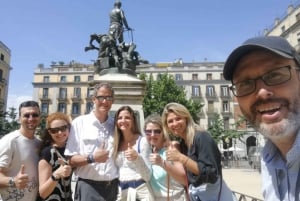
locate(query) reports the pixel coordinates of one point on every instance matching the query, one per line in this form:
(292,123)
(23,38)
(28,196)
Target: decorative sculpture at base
(114,54)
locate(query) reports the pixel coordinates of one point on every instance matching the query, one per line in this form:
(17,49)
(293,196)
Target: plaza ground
(243,179)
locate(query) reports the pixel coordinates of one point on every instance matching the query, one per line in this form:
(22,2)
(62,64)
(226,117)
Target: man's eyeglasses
(57,129)
(102,98)
(155,132)
(271,78)
(33,115)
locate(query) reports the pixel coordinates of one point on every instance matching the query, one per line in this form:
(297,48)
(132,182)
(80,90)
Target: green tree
(219,133)
(8,121)
(163,91)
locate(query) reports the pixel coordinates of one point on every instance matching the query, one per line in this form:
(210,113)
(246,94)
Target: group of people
(114,160)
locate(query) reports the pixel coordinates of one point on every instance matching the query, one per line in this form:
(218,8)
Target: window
(77,92)
(210,106)
(210,90)
(1,74)
(62,107)
(283,29)
(2,57)
(225,106)
(63,93)
(63,78)
(76,78)
(45,92)
(75,108)
(89,107)
(210,121)
(46,78)
(298,16)
(178,76)
(208,76)
(89,93)
(224,91)
(194,76)
(45,108)
(226,123)
(195,90)
(90,78)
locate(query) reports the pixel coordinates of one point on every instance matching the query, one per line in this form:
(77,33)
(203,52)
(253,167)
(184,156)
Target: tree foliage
(219,133)
(8,121)
(164,90)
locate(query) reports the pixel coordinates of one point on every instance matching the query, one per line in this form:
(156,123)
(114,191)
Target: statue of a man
(117,20)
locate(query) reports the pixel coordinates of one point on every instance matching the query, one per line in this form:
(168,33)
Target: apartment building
(5,68)
(287,26)
(65,88)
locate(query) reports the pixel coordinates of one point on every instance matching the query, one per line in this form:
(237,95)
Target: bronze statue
(114,54)
(117,20)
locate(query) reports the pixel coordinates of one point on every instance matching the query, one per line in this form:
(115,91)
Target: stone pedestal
(129,90)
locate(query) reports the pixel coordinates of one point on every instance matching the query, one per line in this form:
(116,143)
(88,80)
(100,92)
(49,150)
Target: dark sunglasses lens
(56,130)
(33,115)
(155,131)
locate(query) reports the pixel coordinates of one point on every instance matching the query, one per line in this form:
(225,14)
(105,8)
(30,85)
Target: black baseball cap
(275,44)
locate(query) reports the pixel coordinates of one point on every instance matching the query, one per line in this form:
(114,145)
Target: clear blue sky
(41,31)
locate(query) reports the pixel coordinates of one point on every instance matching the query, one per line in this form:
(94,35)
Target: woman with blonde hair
(199,155)
(168,179)
(54,170)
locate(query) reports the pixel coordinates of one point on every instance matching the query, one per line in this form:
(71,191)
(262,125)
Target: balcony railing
(243,197)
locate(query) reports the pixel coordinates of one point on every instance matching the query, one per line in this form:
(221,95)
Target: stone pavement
(243,179)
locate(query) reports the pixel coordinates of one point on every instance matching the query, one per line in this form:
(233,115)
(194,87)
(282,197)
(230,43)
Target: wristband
(11,182)
(54,178)
(90,158)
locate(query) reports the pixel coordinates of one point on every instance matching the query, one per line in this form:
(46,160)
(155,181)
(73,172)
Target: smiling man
(265,77)
(19,157)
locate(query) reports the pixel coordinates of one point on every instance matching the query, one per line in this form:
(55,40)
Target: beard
(285,128)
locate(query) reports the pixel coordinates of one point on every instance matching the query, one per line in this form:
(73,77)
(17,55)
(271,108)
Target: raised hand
(155,157)
(21,180)
(64,169)
(131,153)
(172,153)
(101,154)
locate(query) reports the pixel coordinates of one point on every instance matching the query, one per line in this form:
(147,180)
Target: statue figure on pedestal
(114,54)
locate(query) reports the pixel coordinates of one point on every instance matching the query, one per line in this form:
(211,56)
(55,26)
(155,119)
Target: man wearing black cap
(265,77)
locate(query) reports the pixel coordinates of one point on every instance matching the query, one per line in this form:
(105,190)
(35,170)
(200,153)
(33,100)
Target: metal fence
(243,197)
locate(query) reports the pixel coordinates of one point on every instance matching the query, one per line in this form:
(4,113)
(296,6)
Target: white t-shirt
(15,150)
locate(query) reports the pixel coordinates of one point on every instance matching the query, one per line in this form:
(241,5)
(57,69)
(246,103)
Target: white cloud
(15,100)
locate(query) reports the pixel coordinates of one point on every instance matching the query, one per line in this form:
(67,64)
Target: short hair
(28,104)
(104,85)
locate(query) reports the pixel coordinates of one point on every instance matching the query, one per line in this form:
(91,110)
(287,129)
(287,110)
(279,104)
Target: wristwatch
(11,182)
(90,158)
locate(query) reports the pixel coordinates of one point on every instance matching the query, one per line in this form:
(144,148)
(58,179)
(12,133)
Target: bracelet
(54,178)
(90,158)
(185,162)
(11,182)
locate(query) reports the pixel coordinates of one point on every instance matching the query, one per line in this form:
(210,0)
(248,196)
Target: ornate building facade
(5,68)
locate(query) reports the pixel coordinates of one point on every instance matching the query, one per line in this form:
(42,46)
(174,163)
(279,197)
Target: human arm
(140,158)
(19,181)
(174,168)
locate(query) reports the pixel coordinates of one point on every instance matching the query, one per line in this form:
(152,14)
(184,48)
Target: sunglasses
(57,129)
(102,98)
(154,131)
(33,115)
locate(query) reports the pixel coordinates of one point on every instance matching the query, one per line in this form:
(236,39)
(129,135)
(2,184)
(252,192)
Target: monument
(117,61)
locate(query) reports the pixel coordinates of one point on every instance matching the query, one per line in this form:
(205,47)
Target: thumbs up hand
(172,153)
(21,180)
(63,171)
(130,153)
(155,158)
(101,154)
